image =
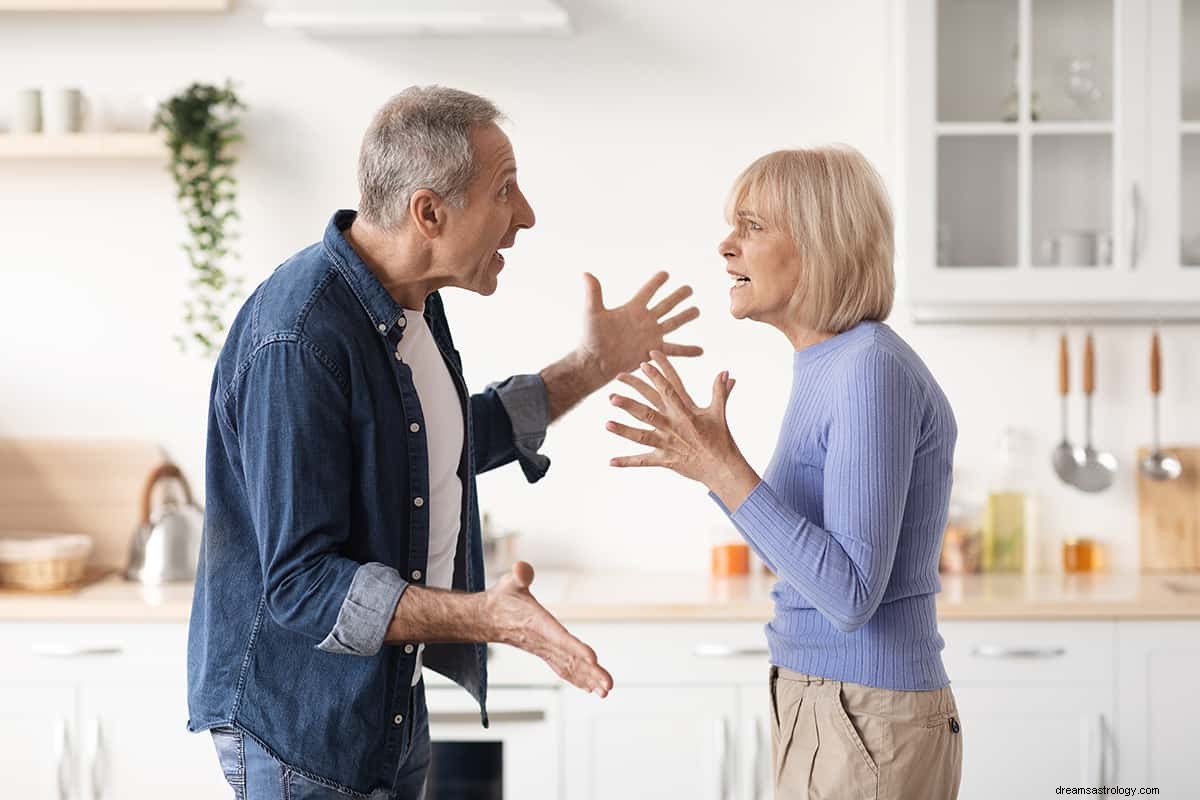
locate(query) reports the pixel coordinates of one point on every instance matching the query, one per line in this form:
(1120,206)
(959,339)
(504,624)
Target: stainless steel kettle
(166,545)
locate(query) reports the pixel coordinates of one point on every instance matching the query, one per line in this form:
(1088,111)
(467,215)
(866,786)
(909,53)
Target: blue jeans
(255,774)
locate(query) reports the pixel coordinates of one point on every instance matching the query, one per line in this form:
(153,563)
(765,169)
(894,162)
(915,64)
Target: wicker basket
(43,562)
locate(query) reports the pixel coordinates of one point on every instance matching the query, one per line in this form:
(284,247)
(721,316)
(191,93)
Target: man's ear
(427,212)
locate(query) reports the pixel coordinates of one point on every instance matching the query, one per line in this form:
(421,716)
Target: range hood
(419,17)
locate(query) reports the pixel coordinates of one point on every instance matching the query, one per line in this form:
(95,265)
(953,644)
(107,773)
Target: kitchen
(1062,679)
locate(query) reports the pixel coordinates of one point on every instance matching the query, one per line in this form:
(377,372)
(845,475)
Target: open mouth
(739,280)
(499,257)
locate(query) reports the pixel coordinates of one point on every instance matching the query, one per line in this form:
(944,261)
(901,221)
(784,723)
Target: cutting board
(1169,515)
(76,486)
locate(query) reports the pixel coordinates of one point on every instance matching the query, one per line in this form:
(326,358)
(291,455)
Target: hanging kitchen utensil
(1066,457)
(1098,468)
(1158,466)
(166,545)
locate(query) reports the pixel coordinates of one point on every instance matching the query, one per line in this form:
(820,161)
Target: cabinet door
(37,741)
(1170,233)
(1027,741)
(1159,705)
(1026,149)
(756,776)
(651,743)
(136,745)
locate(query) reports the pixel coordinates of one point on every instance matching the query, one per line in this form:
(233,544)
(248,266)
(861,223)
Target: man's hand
(521,621)
(617,339)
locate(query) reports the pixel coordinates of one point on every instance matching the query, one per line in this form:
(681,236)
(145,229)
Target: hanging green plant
(201,125)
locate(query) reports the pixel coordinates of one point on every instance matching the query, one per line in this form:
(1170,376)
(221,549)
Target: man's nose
(524,216)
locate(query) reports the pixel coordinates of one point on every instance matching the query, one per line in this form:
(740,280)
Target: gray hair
(420,139)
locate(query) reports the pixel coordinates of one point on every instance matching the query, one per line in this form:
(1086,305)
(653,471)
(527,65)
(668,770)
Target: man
(342,547)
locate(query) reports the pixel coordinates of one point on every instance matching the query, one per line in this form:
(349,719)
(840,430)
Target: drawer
(1029,652)
(679,654)
(57,651)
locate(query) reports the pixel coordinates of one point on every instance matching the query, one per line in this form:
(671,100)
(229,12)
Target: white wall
(627,134)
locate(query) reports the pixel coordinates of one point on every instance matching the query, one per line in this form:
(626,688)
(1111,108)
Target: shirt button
(416,574)
(398,719)
(398,356)
(402,322)
(408,649)
(382,328)
(414,427)
(418,502)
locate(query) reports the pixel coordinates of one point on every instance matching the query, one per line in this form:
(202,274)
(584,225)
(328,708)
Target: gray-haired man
(342,547)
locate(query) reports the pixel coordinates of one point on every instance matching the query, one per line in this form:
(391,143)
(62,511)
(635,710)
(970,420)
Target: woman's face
(766,269)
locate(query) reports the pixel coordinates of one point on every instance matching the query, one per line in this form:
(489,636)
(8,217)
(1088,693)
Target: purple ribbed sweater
(850,513)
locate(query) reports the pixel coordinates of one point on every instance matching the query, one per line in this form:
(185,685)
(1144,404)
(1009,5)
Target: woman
(850,511)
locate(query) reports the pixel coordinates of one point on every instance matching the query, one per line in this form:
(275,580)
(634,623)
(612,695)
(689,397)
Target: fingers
(522,573)
(639,412)
(722,386)
(641,460)
(668,371)
(651,286)
(639,435)
(641,387)
(571,659)
(682,350)
(679,320)
(670,396)
(670,301)
(594,295)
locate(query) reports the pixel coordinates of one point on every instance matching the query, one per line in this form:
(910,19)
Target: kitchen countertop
(633,597)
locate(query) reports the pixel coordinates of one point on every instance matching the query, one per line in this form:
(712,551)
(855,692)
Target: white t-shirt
(444,436)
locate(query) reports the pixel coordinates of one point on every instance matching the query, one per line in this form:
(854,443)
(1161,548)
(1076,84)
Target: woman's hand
(692,441)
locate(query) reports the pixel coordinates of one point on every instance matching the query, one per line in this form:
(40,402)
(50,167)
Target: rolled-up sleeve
(293,422)
(509,421)
(366,612)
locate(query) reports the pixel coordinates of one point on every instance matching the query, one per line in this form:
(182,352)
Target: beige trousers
(835,740)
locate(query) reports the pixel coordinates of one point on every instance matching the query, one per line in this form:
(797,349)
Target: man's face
(495,211)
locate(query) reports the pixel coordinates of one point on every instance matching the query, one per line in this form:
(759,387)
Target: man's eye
(504,190)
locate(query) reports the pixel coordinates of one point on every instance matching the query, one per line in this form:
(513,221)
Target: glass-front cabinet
(1052,159)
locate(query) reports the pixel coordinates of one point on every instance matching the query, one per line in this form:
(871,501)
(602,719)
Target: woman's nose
(727,248)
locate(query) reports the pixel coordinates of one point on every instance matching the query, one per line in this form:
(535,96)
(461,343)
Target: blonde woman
(850,511)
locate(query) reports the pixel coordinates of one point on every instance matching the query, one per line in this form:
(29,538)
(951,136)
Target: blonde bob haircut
(833,204)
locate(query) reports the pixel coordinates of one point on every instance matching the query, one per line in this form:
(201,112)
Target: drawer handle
(999,651)
(726,651)
(59,650)
(472,717)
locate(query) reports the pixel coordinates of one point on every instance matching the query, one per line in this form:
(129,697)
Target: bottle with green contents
(1007,530)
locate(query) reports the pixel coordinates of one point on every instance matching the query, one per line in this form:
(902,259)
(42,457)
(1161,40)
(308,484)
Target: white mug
(1071,249)
(63,110)
(27,113)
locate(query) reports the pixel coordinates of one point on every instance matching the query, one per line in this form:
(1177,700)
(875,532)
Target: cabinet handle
(1135,245)
(1000,651)
(99,761)
(726,651)
(60,650)
(472,717)
(64,755)
(756,762)
(722,759)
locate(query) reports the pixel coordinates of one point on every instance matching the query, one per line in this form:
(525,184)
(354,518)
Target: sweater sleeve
(843,567)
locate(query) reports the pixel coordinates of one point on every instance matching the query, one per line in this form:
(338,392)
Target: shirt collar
(381,307)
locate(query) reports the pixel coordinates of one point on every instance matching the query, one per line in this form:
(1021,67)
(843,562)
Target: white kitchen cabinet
(100,711)
(643,743)
(756,777)
(1050,159)
(1159,711)
(1025,741)
(38,742)
(135,743)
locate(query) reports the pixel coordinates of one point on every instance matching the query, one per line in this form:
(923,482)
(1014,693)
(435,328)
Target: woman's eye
(754,226)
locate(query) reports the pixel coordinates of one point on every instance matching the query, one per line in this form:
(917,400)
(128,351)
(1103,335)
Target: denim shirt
(317,522)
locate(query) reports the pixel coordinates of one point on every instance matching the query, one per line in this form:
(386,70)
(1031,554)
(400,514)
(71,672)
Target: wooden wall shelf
(82,146)
(89,6)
